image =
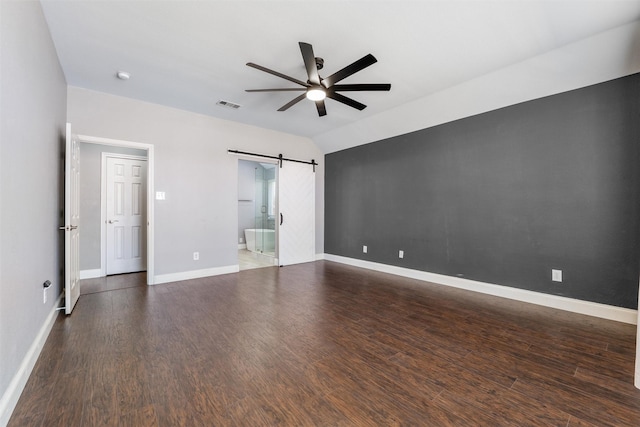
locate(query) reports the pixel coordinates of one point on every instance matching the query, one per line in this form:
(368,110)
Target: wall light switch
(400,254)
(160,195)
(364,249)
(556,275)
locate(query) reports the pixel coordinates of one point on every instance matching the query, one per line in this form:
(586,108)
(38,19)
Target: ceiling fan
(317,88)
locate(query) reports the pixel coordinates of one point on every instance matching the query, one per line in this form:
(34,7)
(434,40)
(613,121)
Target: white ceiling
(190,54)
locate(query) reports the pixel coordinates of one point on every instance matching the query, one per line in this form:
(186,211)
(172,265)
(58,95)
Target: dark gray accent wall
(504,197)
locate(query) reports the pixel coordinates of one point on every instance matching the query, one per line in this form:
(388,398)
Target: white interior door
(71,221)
(296,203)
(126,201)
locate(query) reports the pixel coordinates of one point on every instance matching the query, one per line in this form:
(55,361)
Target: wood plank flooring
(323,344)
(112,283)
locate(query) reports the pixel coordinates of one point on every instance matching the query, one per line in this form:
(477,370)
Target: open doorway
(257,213)
(94,199)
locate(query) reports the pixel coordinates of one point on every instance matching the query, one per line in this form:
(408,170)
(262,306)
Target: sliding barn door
(296,203)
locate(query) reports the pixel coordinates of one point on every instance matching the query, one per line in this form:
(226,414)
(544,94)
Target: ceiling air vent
(228,104)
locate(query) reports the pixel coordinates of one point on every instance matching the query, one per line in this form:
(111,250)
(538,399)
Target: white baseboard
(19,380)
(90,274)
(619,314)
(242,246)
(320,257)
(195,274)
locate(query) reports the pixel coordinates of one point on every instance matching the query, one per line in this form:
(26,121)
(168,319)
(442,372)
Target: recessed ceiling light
(123,75)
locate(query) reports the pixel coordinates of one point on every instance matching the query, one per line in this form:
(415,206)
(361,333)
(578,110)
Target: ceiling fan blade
(322,109)
(293,102)
(275,73)
(287,89)
(360,64)
(363,86)
(345,100)
(310,63)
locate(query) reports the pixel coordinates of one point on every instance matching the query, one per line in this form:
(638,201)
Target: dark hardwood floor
(323,344)
(112,283)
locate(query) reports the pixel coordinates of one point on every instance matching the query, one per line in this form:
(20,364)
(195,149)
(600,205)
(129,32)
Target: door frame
(103,205)
(150,199)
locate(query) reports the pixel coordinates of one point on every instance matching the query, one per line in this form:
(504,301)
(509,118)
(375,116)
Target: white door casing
(149,148)
(296,205)
(71,221)
(126,224)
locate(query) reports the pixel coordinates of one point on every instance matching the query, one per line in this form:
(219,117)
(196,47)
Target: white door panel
(125,213)
(71,221)
(296,203)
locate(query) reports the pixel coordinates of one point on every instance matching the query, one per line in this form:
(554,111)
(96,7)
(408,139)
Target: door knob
(111,221)
(68,227)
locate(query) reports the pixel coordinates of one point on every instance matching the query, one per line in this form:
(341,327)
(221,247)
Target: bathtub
(252,235)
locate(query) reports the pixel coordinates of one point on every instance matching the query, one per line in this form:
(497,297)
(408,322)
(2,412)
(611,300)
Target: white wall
(33,110)
(195,171)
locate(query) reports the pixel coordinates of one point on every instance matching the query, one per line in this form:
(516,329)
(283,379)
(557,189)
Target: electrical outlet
(364,249)
(556,275)
(241,240)
(400,254)
(196,256)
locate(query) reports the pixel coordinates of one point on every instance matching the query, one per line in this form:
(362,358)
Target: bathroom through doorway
(257,213)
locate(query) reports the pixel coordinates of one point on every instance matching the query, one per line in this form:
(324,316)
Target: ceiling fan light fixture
(317,89)
(316,94)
